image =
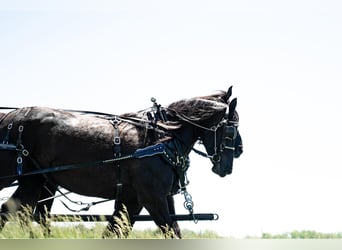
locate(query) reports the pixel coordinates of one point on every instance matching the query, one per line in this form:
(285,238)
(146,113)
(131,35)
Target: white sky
(283,58)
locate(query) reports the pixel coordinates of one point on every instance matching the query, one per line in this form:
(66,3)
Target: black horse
(46,138)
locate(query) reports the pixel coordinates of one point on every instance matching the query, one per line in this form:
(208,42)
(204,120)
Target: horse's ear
(227,95)
(232,107)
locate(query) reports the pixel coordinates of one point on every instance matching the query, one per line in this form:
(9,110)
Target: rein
(144,123)
(139,153)
(87,205)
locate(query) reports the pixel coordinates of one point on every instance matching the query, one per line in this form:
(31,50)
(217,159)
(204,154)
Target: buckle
(117,140)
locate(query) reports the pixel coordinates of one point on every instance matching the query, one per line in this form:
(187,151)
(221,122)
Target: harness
(180,162)
(18,147)
(171,151)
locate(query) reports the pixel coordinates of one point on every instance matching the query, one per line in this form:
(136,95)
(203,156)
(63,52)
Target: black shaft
(178,217)
(96,217)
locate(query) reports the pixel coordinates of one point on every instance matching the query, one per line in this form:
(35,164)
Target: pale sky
(283,58)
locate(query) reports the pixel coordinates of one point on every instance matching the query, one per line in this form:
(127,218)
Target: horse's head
(223,141)
(214,120)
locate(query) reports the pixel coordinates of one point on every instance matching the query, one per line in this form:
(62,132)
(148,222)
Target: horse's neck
(187,137)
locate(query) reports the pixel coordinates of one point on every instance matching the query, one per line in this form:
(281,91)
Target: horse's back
(47,132)
(38,117)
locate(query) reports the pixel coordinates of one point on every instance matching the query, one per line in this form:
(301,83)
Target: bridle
(229,127)
(229,134)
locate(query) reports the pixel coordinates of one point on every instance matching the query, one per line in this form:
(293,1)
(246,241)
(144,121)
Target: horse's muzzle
(217,170)
(238,151)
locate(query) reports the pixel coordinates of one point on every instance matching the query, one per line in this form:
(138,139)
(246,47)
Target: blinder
(230,132)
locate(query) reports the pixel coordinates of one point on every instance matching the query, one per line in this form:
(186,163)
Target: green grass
(21,226)
(14,230)
(304,234)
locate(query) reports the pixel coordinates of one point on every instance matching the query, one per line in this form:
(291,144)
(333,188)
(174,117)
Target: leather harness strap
(117,154)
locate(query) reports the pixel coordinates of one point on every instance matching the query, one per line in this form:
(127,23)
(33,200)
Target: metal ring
(25,152)
(21,128)
(216,158)
(10,126)
(19,160)
(216,216)
(20,147)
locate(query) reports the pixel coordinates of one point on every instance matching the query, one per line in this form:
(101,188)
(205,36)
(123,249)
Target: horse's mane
(217,97)
(202,110)
(197,109)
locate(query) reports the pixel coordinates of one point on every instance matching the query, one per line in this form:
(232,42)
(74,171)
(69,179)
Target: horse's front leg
(122,221)
(158,208)
(155,179)
(172,210)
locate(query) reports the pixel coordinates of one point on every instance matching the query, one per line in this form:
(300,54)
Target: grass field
(16,231)
(21,226)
